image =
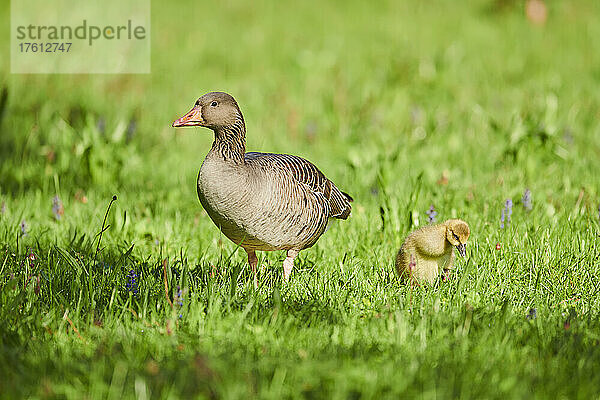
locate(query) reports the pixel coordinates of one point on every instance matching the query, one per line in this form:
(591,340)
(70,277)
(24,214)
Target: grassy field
(404,104)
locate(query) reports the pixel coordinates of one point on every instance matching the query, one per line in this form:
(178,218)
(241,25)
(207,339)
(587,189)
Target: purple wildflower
(57,207)
(101,125)
(532,313)
(431,213)
(179,297)
(506,213)
(131,128)
(132,282)
(526,200)
(24,227)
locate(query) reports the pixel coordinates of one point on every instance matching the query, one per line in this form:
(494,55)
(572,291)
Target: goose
(260,201)
(429,250)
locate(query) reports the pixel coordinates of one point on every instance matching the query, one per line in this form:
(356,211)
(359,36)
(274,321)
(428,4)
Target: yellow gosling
(429,250)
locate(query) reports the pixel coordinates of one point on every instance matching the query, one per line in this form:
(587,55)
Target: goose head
(457,233)
(214,110)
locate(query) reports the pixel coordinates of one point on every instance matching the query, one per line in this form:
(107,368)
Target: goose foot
(288,264)
(253,261)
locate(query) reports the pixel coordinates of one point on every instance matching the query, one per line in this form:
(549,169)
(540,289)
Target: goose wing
(306,173)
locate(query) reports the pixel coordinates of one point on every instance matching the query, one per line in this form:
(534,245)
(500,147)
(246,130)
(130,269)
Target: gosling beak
(192,118)
(462,249)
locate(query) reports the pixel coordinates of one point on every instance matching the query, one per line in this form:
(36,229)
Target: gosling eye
(455,237)
(213,104)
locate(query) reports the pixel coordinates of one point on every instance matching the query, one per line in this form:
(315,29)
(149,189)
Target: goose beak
(192,118)
(462,249)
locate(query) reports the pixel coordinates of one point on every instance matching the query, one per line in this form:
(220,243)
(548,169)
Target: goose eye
(455,237)
(213,104)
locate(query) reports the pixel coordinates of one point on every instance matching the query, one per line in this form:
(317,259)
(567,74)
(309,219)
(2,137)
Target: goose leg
(411,271)
(448,267)
(288,264)
(253,261)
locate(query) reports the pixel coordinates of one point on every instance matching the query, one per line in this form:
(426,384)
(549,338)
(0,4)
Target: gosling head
(457,233)
(214,110)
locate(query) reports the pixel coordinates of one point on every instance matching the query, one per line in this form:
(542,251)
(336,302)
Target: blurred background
(484,98)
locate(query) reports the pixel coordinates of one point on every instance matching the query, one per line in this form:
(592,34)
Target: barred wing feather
(304,172)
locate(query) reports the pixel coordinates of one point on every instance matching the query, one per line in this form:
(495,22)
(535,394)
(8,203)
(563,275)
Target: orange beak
(192,118)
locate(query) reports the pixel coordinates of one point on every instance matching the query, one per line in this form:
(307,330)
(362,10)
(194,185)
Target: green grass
(385,99)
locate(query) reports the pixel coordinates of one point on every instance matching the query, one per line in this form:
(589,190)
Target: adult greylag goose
(260,201)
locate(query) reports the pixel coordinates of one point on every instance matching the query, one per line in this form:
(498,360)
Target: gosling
(429,250)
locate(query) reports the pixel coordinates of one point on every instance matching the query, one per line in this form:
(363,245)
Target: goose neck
(230,143)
